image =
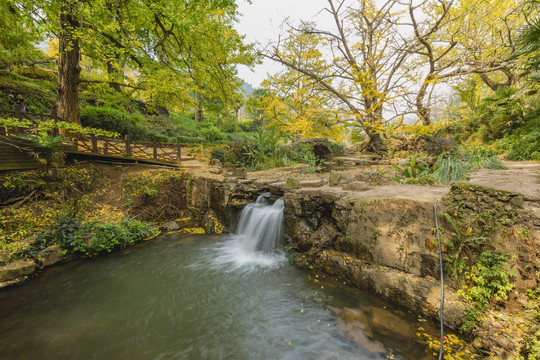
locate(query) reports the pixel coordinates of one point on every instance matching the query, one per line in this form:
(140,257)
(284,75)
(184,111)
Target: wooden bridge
(96,148)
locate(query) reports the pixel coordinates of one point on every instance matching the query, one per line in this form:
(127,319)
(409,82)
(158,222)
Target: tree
(361,62)
(178,49)
(294,103)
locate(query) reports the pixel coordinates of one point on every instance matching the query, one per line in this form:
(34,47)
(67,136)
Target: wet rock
(389,325)
(292,183)
(49,256)
(325,236)
(170,226)
(17,269)
(357,186)
(354,325)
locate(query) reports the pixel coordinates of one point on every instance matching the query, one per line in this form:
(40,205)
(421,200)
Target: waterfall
(257,239)
(260,226)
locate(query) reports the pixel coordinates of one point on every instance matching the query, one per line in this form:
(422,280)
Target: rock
(312,183)
(215,162)
(330,195)
(277,188)
(345,178)
(49,256)
(517,201)
(231,180)
(357,186)
(17,269)
(292,183)
(240,173)
(211,223)
(390,325)
(170,226)
(334,178)
(216,170)
(353,324)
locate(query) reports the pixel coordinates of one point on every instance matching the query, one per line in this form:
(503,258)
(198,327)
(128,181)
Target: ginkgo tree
(457,38)
(294,102)
(179,50)
(361,62)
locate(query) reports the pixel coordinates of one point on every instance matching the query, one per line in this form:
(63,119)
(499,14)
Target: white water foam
(257,239)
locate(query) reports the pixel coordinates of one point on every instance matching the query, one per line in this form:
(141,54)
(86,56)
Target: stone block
(292,183)
(50,256)
(357,186)
(312,183)
(170,226)
(17,269)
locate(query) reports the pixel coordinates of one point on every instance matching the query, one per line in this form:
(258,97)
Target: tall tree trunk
(376,142)
(423,112)
(67,93)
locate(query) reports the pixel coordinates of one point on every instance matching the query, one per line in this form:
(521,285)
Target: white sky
(261,21)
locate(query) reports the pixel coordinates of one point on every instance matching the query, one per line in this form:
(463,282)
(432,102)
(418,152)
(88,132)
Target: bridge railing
(101,145)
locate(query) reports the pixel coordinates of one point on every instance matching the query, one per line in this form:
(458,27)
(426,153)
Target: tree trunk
(423,112)
(113,72)
(67,93)
(493,85)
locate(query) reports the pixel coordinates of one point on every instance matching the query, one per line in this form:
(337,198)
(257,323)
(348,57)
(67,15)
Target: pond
(183,297)
(202,297)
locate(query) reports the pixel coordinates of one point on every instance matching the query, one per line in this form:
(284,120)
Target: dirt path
(522,177)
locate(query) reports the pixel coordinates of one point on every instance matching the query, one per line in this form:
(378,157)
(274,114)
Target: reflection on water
(198,297)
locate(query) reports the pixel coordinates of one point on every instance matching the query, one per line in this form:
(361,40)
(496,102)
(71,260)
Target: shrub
(462,162)
(114,120)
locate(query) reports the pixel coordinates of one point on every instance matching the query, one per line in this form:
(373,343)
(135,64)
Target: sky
(261,21)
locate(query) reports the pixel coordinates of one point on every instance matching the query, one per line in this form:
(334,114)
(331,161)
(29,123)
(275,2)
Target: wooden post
(105,148)
(128,146)
(94,144)
(178,153)
(154,148)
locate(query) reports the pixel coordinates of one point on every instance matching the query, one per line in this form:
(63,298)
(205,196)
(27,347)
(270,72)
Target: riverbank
(377,234)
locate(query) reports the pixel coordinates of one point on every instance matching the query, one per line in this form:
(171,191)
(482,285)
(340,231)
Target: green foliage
(461,248)
(68,230)
(107,237)
(414,169)
(78,237)
(490,280)
(462,162)
(114,120)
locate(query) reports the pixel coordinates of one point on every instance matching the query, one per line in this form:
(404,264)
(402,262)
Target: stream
(199,297)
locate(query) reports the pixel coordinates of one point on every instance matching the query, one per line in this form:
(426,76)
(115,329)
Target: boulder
(334,178)
(216,170)
(357,186)
(240,173)
(330,195)
(17,269)
(170,226)
(292,183)
(49,256)
(312,183)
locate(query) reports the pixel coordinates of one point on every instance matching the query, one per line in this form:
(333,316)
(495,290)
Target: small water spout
(256,242)
(260,226)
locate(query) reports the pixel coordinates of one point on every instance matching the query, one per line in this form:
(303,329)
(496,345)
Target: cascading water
(261,225)
(257,239)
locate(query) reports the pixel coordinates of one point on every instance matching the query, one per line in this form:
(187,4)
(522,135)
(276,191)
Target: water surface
(197,297)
